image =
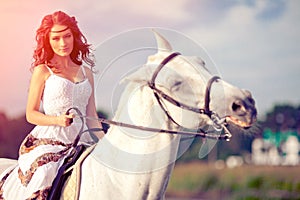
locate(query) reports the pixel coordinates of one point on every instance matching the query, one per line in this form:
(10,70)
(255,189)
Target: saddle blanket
(71,188)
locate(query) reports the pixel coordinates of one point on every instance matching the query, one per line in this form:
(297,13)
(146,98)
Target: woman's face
(61,40)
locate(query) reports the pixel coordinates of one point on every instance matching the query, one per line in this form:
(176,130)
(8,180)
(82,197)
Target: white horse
(135,164)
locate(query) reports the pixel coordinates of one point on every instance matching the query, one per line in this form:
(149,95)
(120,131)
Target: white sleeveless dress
(43,150)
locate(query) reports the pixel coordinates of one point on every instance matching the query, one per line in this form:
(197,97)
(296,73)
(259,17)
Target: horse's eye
(176,85)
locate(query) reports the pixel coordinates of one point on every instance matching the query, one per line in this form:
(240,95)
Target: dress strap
(51,72)
(83,71)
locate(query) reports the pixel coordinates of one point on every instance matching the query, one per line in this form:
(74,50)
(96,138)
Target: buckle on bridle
(217,121)
(220,124)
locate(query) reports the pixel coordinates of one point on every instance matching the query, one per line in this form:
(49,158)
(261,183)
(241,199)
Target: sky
(254,43)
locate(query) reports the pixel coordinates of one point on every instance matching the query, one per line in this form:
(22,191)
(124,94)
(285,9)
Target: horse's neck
(138,106)
(131,149)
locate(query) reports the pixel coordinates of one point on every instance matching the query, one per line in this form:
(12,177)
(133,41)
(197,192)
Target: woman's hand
(65,119)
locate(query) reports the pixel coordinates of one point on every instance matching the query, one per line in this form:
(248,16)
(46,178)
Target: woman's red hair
(44,53)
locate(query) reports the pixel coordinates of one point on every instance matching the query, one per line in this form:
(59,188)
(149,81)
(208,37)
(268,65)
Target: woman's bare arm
(91,107)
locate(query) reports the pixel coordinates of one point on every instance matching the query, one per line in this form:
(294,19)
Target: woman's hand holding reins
(65,119)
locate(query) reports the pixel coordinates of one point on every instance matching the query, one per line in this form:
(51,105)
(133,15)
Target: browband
(60,30)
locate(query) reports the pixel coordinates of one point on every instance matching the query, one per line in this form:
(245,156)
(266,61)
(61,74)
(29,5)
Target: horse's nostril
(236,106)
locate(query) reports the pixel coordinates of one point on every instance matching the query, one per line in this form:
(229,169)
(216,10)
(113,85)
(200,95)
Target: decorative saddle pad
(68,186)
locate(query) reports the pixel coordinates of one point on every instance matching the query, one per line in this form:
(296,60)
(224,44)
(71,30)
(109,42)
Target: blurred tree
(283,117)
(281,122)
(13,131)
(3,121)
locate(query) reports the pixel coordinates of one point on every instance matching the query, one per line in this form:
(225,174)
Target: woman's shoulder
(89,74)
(42,70)
(87,68)
(88,71)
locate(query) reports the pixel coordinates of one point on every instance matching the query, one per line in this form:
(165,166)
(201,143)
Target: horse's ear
(162,43)
(145,73)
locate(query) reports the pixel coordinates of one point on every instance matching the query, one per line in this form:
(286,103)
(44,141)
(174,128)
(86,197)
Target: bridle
(159,95)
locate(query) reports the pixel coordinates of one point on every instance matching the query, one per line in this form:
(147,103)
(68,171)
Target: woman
(59,81)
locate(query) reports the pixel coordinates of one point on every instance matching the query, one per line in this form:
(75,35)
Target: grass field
(199,180)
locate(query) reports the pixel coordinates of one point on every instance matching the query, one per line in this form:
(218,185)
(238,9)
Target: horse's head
(189,94)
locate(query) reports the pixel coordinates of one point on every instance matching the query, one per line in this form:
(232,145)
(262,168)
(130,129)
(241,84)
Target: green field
(199,180)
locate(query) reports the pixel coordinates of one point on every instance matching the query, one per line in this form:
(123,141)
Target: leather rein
(159,95)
